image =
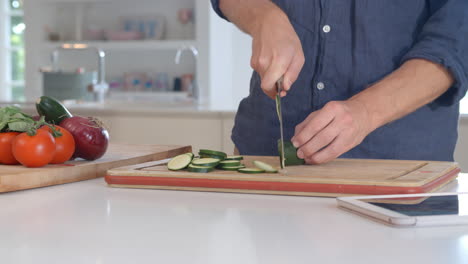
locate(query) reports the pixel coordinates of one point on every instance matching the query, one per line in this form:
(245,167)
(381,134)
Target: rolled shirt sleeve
(215,4)
(444,40)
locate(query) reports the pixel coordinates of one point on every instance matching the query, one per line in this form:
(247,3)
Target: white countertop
(148,108)
(88,222)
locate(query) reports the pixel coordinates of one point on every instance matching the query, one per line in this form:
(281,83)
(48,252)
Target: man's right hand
(276,48)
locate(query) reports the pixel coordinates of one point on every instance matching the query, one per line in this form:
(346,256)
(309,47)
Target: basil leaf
(4,119)
(20,126)
(12,110)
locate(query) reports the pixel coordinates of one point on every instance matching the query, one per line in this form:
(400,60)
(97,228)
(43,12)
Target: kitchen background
(175,72)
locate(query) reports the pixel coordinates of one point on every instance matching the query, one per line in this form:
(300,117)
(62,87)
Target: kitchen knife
(279,88)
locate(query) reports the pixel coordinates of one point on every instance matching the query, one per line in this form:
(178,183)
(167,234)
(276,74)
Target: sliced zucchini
(211,156)
(206,162)
(250,170)
(180,162)
(212,152)
(290,154)
(199,169)
(229,163)
(190,154)
(234,158)
(264,166)
(232,168)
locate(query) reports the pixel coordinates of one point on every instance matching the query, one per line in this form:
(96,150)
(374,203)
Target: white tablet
(411,209)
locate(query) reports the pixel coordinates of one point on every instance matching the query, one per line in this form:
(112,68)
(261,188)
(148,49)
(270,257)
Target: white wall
(231,78)
(461,151)
(242,51)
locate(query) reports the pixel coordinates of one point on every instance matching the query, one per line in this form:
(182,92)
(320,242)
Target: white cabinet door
(197,132)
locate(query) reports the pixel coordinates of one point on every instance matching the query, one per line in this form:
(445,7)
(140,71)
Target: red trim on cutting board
(280,186)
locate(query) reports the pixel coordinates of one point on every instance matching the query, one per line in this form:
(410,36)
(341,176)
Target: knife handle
(279,85)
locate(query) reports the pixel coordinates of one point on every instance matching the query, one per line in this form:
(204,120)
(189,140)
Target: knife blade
(279,88)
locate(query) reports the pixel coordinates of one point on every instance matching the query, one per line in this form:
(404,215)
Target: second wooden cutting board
(13,178)
(340,177)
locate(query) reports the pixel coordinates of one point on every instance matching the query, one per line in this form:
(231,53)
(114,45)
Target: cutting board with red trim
(13,178)
(337,178)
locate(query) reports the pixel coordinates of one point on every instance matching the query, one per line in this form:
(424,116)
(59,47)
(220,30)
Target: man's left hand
(331,131)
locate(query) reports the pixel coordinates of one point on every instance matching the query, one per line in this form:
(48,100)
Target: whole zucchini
(53,111)
(290,154)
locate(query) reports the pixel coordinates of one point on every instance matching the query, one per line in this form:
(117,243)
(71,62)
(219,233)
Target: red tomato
(64,145)
(34,151)
(6,153)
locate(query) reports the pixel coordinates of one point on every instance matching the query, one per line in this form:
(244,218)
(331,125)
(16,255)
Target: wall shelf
(129,45)
(70,19)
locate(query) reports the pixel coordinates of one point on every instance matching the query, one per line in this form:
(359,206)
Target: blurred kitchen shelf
(129,45)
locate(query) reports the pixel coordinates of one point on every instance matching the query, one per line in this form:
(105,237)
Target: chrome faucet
(100,87)
(195,89)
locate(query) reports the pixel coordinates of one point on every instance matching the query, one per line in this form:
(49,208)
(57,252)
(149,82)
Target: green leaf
(12,119)
(20,126)
(18,116)
(4,119)
(12,110)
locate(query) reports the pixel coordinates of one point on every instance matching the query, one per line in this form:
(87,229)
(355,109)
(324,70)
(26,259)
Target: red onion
(91,138)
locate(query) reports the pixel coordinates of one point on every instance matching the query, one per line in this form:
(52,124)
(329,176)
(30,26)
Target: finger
(260,62)
(331,152)
(317,123)
(321,140)
(292,73)
(277,69)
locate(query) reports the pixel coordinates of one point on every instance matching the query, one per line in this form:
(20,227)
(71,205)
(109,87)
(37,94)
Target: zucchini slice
(232,168)
(290,154)
(199,169)
(251,170)
(212,152)
(206,162)
(234,158)
(229,163)
(180,162)
(211,156)
(264,166)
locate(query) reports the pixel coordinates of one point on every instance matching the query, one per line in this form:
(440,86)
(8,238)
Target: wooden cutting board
(13,178)
(337,178)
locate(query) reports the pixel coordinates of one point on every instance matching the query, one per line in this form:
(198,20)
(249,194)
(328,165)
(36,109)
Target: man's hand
(341,125)
(276,51)
(276,48)
(331,131)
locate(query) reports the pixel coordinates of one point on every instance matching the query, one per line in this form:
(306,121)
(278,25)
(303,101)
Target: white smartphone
(407,210)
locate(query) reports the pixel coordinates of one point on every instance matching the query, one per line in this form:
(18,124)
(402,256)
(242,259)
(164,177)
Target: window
(12,51)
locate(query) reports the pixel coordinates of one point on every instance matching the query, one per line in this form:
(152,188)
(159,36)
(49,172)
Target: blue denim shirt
(367,40)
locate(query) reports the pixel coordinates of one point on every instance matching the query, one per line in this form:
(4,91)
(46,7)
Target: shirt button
(320,85)
(326,28)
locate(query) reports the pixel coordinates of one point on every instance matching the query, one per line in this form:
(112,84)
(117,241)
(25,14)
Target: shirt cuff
(215,4)
(440,56)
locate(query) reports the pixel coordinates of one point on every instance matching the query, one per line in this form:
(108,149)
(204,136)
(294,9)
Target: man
(363,79)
